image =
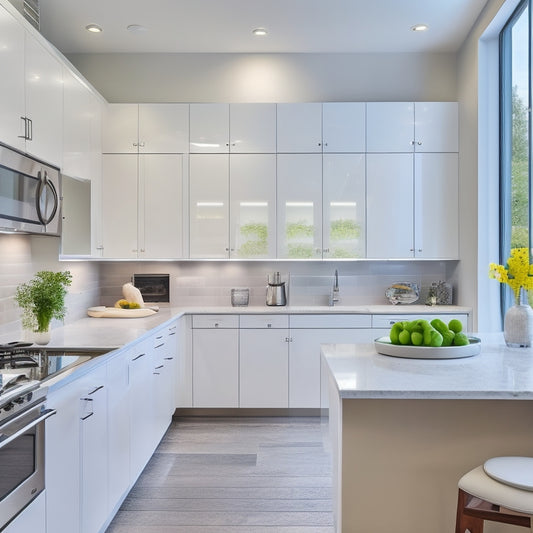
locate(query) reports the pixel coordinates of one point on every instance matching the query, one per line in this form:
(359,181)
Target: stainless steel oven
(29,194)
(22,426)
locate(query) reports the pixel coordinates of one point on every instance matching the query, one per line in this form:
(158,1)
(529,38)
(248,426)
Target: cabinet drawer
(265,321)
(215,321)
(386,321)
(330,321)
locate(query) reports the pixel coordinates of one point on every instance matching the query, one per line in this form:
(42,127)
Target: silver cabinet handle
(6,439)
(95,390)
(138,357)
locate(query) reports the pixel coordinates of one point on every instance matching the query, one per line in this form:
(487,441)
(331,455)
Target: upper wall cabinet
(31,93)
(313,128)
(299,128)
(233,128)
(146,128)
(343,127)
(82,112)
(412,127)
(12,105)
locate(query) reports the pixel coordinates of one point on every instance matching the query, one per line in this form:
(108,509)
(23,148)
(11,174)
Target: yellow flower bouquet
(518,274)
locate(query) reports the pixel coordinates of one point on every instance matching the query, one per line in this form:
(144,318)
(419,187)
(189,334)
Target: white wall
(270,77)
(21,256)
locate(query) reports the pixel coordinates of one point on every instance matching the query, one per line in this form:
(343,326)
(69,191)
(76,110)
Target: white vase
(42,337)
(518,324)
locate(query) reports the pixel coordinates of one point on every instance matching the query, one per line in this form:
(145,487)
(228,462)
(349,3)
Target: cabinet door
(120,130)
(119,205)
(264,369)
(209,128)
(62,460)
(44,103)
(12,105)
(163,128)
(209,209)
(216,368)
(389,206)
(253,206)
(436,206)
(253,128)
(160,206)
(343,127)
(118,438)
(390,127)
(94,451)
(141,406)
(344,194)
(81,113)
(299,206)
(299,128)
(437,127)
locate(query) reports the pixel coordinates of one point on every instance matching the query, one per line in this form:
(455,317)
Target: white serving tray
(118,312)
(384,346)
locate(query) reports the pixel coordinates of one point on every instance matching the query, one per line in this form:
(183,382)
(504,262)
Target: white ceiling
(294,26)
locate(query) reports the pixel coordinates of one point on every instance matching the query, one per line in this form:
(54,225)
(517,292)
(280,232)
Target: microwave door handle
(44,184)
(47,413)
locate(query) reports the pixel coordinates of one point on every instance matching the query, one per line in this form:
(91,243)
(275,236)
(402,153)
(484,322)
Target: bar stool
(501,490)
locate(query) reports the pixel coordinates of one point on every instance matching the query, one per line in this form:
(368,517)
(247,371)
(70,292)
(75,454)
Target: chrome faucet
(334,297)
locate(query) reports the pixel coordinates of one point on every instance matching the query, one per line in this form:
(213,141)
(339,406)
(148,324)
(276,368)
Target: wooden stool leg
(463,522)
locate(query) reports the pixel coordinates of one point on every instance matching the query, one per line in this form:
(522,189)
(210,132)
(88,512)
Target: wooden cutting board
(118,312)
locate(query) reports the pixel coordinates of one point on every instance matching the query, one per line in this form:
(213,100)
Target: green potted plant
(41,299)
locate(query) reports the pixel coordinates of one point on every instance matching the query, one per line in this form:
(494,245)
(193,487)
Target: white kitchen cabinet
(299,128)
(299,206)
(343,205)
(412,206)
(209,128)
(412,127)
(81,125)
(343,127)
(140,370)
(232,128)
(209,206)
(252,128)
(118,436)
(215,361)
(390,206)
(264,364)
(142,197)
(307,333)
(62,460)
(146,128)
(31,519)
(12,104)
(184,366)
(94,450)
(252,206)
(44,103)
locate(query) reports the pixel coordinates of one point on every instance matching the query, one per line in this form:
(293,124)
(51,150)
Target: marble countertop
(497,372)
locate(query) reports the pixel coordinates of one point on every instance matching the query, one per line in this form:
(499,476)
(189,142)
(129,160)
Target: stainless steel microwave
(29,194)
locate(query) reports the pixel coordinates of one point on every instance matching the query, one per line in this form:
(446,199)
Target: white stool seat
(479,484)
(514,471)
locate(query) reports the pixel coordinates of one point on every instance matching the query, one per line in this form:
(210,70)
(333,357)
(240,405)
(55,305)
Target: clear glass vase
(518,323)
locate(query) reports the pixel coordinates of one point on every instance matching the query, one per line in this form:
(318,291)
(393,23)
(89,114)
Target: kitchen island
(403,431)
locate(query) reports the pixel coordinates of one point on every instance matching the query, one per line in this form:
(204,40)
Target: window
(515,134)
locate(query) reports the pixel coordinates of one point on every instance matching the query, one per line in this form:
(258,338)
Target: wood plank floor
(234,475)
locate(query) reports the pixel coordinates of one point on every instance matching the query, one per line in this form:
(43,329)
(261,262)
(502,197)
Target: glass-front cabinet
(299,206)
(343,205)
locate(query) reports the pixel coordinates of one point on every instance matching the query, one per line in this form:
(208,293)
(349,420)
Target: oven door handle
(6,439)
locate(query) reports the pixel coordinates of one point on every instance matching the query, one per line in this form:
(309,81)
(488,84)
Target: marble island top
(497,372)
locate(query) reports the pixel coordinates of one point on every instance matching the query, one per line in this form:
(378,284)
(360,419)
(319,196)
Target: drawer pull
(138,357)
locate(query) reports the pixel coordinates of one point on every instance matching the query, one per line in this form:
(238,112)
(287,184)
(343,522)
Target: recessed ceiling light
(93,28)
(259,31)
(420,27)
(134,28)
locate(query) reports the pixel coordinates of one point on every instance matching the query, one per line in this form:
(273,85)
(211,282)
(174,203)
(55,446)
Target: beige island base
(404,431)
